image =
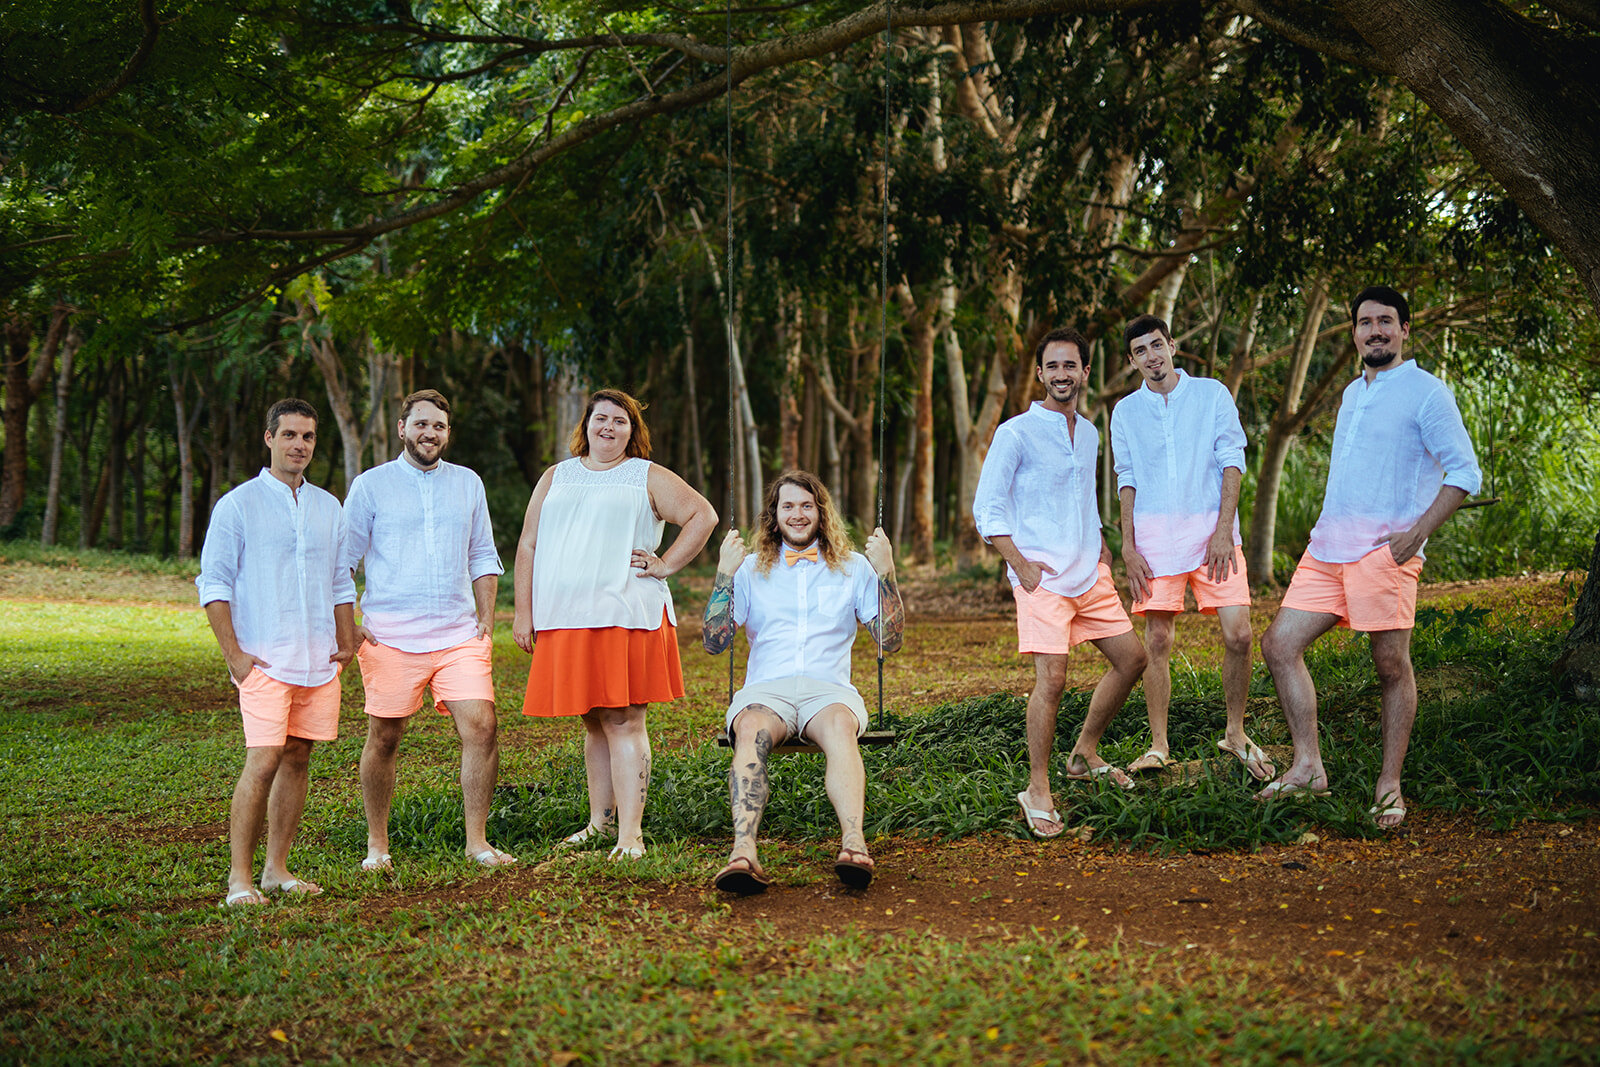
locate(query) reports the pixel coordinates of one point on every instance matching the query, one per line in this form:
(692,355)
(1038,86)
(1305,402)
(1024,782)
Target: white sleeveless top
(589,525)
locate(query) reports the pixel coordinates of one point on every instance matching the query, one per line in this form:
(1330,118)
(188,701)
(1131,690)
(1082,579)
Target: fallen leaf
(279,1035)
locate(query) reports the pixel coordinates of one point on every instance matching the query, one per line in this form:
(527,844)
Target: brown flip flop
(854,868)
(742,877)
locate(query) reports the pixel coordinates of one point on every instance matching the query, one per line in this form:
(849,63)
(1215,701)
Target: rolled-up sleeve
(482,558)
(1230,440)
(221,554)
(1122,450)
(1444,435)
(344,583)
(991,504)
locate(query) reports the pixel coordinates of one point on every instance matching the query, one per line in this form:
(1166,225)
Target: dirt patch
(1515,907)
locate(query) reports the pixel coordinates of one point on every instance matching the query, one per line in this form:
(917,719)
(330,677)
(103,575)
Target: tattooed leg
(629,744)
(756,730)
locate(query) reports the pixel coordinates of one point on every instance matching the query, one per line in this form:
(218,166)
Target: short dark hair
(1061,333)
(424,396)
(1142,325)
(289,405)
(1384,295)
(638,439)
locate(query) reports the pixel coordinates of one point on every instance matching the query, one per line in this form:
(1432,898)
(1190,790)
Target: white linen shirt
(426,538)
(1171,451)
(1397,441)
(801,618)
(273,556)
(1038,488)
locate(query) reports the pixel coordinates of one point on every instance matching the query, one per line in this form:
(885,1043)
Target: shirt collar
(1145,386)
(277,484)
(407,465)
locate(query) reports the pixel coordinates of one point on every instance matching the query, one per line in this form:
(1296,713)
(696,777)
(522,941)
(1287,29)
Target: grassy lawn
(119,746)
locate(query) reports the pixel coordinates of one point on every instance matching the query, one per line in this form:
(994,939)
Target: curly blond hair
(833,538)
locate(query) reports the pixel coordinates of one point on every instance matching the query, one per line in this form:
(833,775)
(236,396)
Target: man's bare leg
(1044,706)
(1236,641)
(833,729)
(629,744)
(1127,659)
(246,815)
(1391,655)
(757,729)
(480,767)
(1158,630)
(1283,647)
(285,804)
(378,756)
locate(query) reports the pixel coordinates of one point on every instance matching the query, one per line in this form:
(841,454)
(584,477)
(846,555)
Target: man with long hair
(799,597)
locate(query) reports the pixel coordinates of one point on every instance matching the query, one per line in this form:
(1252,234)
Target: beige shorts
(275,711)
(797,701)
(394,680)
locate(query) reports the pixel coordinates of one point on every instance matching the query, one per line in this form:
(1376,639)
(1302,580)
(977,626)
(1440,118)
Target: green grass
(599,976)
(119,747)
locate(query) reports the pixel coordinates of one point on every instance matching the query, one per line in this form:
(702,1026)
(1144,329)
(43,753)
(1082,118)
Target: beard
(787,536)
(1381,357)
(411,450)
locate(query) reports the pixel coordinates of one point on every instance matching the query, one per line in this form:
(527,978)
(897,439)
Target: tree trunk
(22,389)
(116,452)
(1579,665)
(791,342)
(1294,411)
(923,326)
(58,438)
(185,426)
(319,342)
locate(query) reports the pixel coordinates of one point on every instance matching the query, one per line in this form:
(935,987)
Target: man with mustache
(1402,463)
(1035,504)
(422,526)
(799,593)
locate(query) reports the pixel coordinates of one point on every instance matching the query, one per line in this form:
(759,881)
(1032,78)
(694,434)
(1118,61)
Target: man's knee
(1391,661)
(1158,637)
(296,755)
(757,728)
(835,730)
(383,736)
(1236,640)
(475,720)
(1050,673)
(1278,651)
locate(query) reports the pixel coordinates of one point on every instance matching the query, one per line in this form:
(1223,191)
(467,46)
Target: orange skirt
(609,667)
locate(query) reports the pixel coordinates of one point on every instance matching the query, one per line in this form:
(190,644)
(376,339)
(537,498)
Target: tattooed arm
(889,627)
(717,633)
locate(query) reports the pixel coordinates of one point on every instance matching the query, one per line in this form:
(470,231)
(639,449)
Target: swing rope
(883,315)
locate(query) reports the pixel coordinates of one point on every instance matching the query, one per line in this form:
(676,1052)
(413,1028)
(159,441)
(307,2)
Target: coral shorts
(275,711)
(1054,624)
(1373,593)
(1166,591)
(395,680)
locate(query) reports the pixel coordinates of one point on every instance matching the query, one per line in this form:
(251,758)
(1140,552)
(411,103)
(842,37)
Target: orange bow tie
(791,556)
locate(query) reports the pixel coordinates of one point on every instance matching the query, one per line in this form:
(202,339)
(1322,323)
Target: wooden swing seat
(870,739)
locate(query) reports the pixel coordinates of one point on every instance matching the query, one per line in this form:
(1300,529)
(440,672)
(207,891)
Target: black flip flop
(742,877)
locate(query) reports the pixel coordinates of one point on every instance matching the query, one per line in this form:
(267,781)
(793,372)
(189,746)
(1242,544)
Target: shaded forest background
(205,206)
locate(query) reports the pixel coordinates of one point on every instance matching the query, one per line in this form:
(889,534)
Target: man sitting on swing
(798,598)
